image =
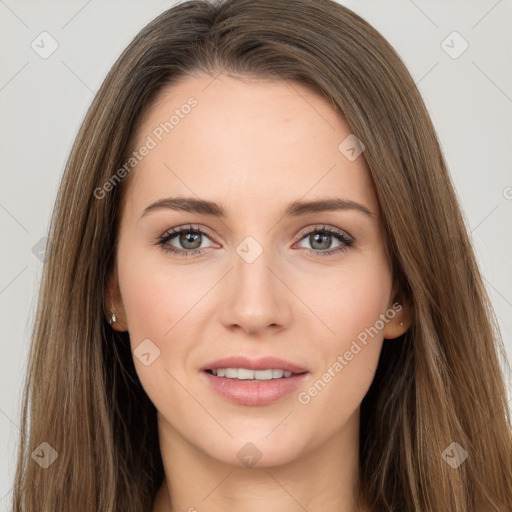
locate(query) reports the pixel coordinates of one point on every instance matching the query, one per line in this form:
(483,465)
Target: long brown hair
(438,384)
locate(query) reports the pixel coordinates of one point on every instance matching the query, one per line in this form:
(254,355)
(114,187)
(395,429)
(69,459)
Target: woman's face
(264,284)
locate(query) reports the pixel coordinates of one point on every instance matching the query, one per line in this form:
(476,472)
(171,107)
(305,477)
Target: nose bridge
(256,298)
(253,281)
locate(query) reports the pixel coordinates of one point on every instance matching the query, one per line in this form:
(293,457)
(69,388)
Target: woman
(191,353)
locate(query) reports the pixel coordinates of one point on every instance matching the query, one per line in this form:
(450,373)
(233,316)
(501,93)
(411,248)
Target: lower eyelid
(345,240)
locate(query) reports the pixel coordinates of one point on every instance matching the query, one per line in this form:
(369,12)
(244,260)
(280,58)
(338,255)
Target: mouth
(253,387)
(252,375)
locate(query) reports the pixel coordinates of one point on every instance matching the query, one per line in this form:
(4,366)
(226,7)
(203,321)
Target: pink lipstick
(253,382)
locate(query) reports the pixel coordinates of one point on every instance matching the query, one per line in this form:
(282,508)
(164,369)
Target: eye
(189,237)
(320,240)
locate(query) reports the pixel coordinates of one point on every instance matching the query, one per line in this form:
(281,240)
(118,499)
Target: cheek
(162,303)
(154,297)
(349,300)
(143,299)
(152,306)
(352,306)
(155,305)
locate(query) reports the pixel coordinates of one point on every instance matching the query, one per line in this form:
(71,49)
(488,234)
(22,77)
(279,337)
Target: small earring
(401,323)
(113,319)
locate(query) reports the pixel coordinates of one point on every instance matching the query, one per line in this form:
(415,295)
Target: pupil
(190,238)
(325,244)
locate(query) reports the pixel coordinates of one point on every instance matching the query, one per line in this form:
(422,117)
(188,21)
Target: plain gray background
(43,101)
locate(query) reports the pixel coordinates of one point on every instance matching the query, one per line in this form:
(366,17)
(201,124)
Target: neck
(324,479)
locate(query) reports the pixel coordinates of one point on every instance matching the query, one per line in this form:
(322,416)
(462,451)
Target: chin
(258,452)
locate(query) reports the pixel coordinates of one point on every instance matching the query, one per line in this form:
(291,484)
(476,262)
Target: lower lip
(249,392)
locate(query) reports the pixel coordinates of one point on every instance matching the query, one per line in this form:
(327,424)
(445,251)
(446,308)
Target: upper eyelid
(171,233)
(180,229)
(324,227)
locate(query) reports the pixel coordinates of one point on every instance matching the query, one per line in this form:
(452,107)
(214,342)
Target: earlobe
(395,328)
(114,310)
(400,320)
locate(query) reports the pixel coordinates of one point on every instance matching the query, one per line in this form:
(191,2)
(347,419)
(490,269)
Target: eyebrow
(294,209)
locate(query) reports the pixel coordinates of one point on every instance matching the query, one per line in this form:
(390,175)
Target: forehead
(250,141)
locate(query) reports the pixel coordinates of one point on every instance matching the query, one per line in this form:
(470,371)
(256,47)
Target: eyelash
(191,253)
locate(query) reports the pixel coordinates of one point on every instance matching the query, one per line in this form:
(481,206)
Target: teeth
(245,374)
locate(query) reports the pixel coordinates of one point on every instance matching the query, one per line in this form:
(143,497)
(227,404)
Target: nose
(255,298)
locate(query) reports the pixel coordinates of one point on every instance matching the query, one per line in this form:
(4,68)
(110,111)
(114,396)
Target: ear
(403,314)
(113,302)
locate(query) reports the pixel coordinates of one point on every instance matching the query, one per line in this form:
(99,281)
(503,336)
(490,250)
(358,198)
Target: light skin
(253,146)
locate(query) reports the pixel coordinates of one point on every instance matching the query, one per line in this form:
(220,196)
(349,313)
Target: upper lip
(261,363)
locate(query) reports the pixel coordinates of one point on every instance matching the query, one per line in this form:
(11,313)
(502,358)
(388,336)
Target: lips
(262,363)
(253,392)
